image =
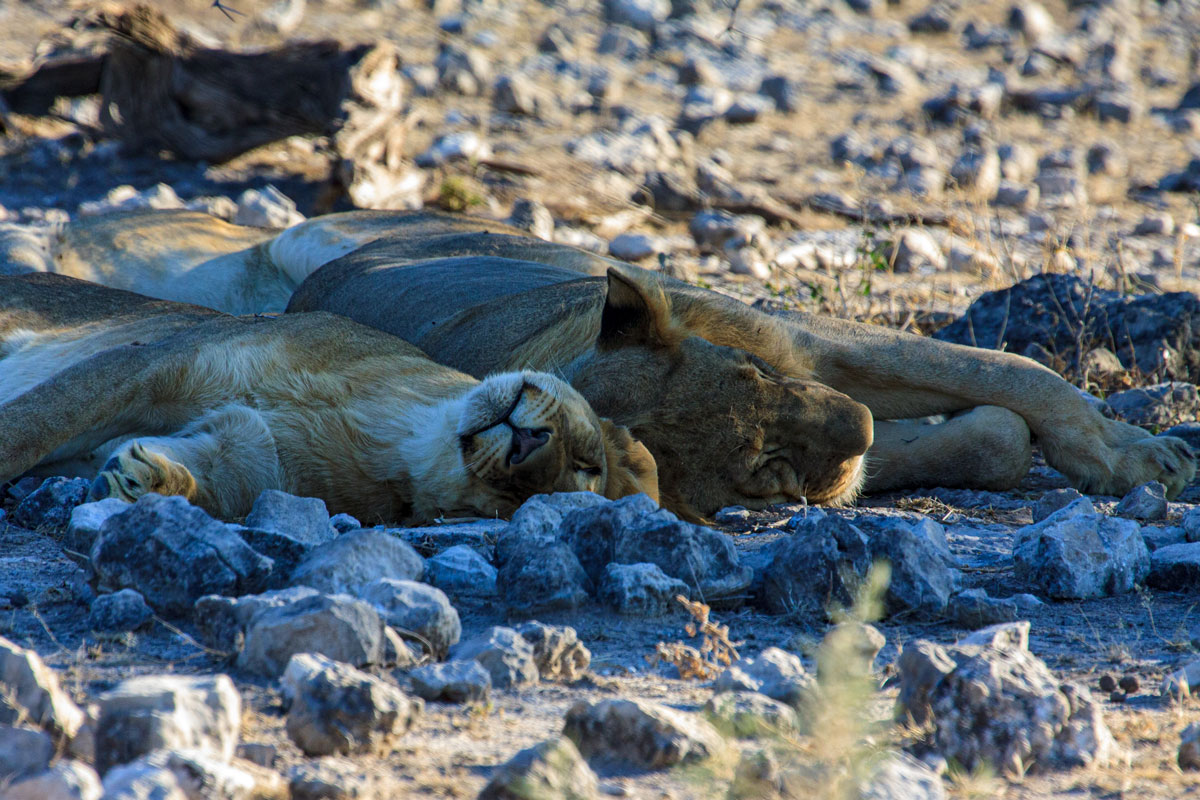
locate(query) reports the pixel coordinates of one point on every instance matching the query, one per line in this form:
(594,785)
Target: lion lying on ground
(178,399)
(737,406)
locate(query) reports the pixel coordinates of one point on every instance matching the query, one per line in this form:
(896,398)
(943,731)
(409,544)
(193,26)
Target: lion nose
(524,442)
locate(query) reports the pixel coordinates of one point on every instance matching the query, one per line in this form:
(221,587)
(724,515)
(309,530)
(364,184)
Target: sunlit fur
(177,399)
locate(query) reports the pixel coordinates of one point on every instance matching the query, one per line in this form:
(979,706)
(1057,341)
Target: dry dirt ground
(453,749)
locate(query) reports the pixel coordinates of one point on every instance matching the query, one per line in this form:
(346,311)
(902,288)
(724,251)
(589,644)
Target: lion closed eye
(180,400)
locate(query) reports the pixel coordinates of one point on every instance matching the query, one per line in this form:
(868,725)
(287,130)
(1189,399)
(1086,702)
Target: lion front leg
(899,375)
(221,462)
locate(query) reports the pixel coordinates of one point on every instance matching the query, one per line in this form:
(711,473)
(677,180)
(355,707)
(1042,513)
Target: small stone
(302,518)
(552,769)
(1117,697)
(784,91)
(1161,404)
(636,246)
(1161,224)
(23,752)
(533,216)
(118,612)
(353,560)
(466,145)
(776,673)
(505,654)
(1175,567)
(557,651)
(335,626)
(167,711)
(49,507)
(1129,684)
(915,249)
(334,778)
(344,523)
(174,553)
(641,590)
(337,709)
(750,715)
(140,780)
(86,521)
(266,208)
(1108,683)
(30,693)
(452,682)
(1189,747)
(1077,553)
(517,94)
(973,608)
(66,780)
(1146,503)
(461,571)
(258,753)
(419,608)
(537,578)
(196,773)
(641,734)
(823,562)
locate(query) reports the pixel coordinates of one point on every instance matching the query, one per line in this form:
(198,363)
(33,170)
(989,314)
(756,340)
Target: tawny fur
(896,376)
(176,399)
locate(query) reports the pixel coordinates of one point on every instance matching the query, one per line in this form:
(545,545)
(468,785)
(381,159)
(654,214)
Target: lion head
(526,433)
(725,427)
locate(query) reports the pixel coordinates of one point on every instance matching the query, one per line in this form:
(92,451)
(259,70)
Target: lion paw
(1165,459)
(135,470)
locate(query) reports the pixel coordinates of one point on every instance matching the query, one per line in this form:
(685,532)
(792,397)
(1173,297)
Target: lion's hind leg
(221,462)
(987,447)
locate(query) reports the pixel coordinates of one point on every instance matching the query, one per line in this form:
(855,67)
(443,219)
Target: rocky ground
(885,161)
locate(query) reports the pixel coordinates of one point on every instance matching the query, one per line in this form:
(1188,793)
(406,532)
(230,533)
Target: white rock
(355,559)
(66,780)
(419,608)
(337,709)
(462,571)
(337,626)
(29,692)
(147,713)
(23,752)
(268,208)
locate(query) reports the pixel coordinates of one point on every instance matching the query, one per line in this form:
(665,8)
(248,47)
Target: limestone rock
(1076,553)
(336,626)
(29,692)
(49,506)
(167,711)
(557,651)
(121,611)
(461,571)
(552,769)
(416,607)
(66,780)
(776,673)
(993,702)
(23,752)
(1145,503)
(750,715)
(822,562)
(452,682)
(174,553)
(1175,567)
(337,709)
(504,653)
(639,590)
(537,578)
(641,734)
(351,561)
(222,620)
(86,521)
(303,518)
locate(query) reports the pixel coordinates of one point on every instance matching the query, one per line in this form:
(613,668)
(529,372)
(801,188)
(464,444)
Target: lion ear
(631,467)
(636,312)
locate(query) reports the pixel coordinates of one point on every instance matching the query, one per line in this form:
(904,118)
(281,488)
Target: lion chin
(173,399)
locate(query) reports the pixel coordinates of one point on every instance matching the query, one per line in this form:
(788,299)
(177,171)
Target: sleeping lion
(179,399)
(737,406)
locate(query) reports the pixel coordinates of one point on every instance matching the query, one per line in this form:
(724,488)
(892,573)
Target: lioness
(736,405)
(179,399)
